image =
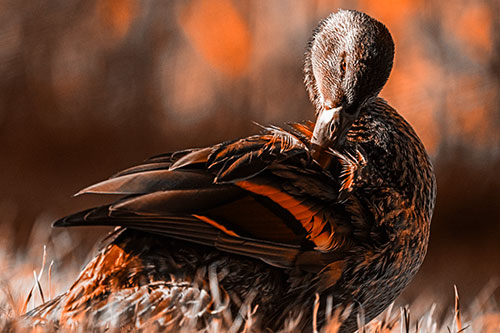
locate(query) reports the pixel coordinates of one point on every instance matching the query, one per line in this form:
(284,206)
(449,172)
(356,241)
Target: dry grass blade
(334,320)
(37,283)
(386,324)
(405,320)
(40,274)
(214,285)
(28,298)
(458,319)
(315,314)
(247,312)
(250,323)
(49,278)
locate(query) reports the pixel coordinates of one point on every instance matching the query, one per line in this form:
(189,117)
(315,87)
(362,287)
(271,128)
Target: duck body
(270,220)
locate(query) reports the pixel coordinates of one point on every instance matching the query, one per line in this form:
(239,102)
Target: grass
(50,263)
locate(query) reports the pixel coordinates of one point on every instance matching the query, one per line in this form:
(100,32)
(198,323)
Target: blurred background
(88,88)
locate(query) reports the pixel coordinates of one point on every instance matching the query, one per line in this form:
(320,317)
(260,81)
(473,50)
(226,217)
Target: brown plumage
(340,208)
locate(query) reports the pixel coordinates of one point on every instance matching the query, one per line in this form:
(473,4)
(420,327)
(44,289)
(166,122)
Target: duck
(280,229)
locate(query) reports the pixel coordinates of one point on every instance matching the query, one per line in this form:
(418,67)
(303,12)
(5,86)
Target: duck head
(348,60)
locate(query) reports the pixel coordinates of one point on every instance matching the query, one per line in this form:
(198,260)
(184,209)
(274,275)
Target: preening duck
(340,208)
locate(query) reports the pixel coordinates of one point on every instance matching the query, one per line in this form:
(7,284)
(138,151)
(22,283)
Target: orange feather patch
(309,217)
(216,224)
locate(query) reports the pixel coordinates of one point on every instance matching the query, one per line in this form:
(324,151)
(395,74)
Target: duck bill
(329,133)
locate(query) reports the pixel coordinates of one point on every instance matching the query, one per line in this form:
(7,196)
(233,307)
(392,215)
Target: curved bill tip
(324,134)
(325,127)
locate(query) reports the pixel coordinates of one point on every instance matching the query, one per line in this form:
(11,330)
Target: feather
(142,182)
(192,158)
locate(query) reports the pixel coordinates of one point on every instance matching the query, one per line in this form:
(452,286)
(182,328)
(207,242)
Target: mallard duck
(303,222)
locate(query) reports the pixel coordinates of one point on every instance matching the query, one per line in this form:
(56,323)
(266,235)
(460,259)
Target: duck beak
(329,133)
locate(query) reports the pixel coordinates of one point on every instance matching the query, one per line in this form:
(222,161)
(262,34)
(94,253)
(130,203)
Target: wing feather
(189,201)
(144,182)
(143,168)
(260,196)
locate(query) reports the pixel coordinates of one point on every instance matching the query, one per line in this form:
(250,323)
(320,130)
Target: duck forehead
(339,39)
(329,49)
(351,40)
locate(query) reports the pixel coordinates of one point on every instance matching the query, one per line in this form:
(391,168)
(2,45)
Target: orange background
(91,87)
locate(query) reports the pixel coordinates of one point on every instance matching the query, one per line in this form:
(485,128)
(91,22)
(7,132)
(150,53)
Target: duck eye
(343,65)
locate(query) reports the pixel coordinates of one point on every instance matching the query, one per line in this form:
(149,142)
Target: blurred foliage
(90,87)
